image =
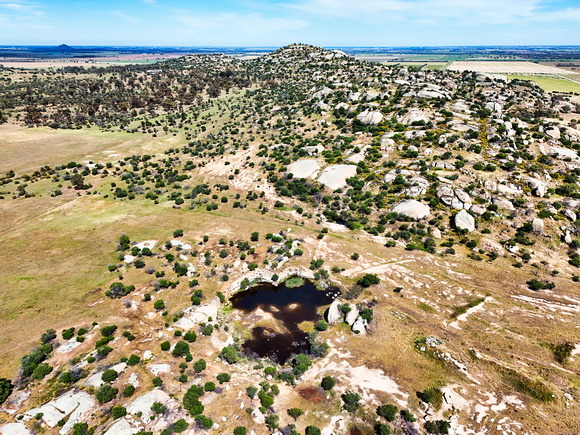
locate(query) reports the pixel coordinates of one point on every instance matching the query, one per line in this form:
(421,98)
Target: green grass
(294,282)
(457,311)
(549,83)
(427,308)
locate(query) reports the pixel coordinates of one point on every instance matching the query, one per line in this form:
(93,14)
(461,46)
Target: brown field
(27,149)
(494,67)
(86,62)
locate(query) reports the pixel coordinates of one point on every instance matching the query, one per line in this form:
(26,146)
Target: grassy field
(550,83)
(24,150)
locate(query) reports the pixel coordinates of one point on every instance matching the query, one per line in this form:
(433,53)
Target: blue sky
(280,22)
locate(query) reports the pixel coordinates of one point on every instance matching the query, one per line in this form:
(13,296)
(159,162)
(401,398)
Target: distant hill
(64,47)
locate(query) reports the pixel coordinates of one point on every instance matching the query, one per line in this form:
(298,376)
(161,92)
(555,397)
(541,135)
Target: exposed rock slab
(464,221)
(412,208)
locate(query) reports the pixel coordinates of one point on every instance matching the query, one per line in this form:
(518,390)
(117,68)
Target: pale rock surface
(334,176)
(14,429)
(333,313)
(478,209)
(412,208)
(464,221)
(143,404)
(352,315)
(123,426)
(359,326)
(503,203)
(436,233)
(538,226)
(305,168)
(369,117)
(570,214)
(492,246)
(77,405)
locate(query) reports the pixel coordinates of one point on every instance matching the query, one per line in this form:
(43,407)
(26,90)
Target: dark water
(290,306)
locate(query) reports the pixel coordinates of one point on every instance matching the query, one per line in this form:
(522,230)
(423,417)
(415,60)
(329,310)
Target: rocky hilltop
(439,210)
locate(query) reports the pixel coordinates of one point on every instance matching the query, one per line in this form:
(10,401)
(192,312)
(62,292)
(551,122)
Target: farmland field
(494,67)
(550,83)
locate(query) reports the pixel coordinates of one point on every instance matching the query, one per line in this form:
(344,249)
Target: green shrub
(190,336)
(327,383)
(207,330)
(251,391)
(165,345)
(108,331)
(240,430)
(382,429)
(158,408)
(295,412)
(41,371)
(407,416)
(118,412)
(6,388)
(106,393)
(67,334)
(351,401)
(128,391)
(431,395)
(223,377)
(230,354)
(437,427)
(199,366)
(368,279)
(389,412)
(191,400)
(133,360)
(109,375)
(157,381)
(180,426)
(180,349)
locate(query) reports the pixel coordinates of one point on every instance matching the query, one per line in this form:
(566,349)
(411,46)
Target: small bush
(223,377)
(199,366)
(389,412)
(351,401)
(106,393)
(327,383)
(180,426)
(109,375)
(118,412)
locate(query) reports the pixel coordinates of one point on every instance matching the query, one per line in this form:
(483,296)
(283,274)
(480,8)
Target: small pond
(289,306)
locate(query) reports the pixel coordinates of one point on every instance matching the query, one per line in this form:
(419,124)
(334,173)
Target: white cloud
(150,2)
(461,12)
(250,23)
(124,16)
(22,7)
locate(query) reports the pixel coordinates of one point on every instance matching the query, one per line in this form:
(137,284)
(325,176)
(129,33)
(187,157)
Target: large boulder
(412,208)
(333,313)
(503,203)
(538,226)
(464,221)
(492,246)
(369,117)
(359,326)
(538,187)
(351,316)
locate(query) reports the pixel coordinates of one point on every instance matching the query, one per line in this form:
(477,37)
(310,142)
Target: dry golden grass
(27,149)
